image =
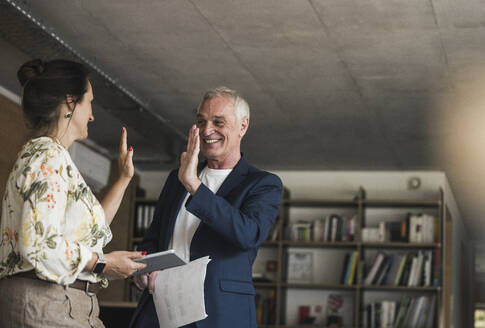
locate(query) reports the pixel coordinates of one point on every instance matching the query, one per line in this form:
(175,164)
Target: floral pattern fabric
(51,221)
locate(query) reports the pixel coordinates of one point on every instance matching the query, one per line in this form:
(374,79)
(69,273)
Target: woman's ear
(71,102)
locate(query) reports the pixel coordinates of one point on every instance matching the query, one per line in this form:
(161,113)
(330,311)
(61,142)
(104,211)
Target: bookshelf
(367,212)
(120,293)
(141,218)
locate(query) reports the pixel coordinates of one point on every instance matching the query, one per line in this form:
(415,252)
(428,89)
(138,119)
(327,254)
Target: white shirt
(186,223)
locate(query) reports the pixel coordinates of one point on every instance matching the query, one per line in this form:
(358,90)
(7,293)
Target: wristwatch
(100,263)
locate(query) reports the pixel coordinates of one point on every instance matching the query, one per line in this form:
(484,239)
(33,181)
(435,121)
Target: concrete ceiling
(333,85)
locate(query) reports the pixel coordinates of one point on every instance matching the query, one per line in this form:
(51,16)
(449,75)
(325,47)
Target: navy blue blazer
(234,222)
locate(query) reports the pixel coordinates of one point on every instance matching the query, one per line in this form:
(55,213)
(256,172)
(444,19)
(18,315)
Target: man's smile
(211,141)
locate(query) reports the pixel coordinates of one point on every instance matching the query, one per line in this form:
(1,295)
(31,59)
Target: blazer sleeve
(152,236)
(245,227)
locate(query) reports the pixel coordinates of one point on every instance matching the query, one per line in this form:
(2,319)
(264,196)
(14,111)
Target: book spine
(355,258)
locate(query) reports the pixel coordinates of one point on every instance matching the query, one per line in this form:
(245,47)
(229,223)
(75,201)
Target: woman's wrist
(92,262)
(123,182)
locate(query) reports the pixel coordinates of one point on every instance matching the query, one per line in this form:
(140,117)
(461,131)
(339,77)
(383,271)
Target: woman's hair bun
(30,70)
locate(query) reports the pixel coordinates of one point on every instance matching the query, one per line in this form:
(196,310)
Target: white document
(179,294)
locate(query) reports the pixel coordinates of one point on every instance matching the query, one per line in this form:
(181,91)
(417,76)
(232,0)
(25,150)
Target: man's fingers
(197,141)
(151,281)
(141,281)
(190,139)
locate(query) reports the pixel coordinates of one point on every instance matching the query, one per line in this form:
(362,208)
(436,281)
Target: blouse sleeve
(44,188)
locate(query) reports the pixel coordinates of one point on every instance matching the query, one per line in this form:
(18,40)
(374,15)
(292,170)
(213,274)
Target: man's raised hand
(188,162)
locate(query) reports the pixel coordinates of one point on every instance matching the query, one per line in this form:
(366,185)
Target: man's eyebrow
(220,117)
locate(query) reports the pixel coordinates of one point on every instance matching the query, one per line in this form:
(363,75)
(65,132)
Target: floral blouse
(51,221)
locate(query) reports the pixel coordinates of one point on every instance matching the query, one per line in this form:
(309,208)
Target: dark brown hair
(46,86)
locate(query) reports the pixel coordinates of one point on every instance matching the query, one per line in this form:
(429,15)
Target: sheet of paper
(179,294)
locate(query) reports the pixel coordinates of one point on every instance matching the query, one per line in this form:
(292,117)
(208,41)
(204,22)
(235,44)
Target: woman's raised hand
(125,158)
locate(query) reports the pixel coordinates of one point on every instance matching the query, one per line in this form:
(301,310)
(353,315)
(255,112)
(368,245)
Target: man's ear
(244,126)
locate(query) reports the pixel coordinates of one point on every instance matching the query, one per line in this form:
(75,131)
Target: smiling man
(222,208)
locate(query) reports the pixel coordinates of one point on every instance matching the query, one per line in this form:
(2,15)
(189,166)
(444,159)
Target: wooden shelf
(265,284)
(326,244)
(131,305)
(400,203)
(316,286)
(399,245)
(401,288)
(145,200)
(320,203)
(137,239)
(272,243)
(298,326)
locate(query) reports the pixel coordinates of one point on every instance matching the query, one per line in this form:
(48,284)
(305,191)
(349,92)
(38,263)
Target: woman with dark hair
(53,228)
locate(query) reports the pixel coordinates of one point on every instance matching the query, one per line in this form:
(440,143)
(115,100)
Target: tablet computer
(160,261)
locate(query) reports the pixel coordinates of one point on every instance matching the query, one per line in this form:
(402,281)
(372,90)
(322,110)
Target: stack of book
(423,228)
(301,230)
(266,308)
(143,218)
(416,228)
(330,228)
(334,228)
(348,271)
(370,234)
(411,269)
(408,313)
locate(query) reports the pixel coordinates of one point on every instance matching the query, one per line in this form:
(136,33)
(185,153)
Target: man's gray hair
(241,107)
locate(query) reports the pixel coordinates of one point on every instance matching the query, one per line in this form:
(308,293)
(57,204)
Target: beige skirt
(26,302)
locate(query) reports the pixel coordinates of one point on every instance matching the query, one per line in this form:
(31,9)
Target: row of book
(349,269)
(416,228)
(410,312)
(411,269)
(143,218)
(330,228)
(266,308)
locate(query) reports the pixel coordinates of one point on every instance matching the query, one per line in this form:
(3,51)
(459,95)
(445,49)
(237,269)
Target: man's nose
(207,129)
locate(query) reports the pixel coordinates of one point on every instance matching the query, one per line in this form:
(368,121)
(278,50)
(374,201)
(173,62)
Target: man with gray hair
(222,208)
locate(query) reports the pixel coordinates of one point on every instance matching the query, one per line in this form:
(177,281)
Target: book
(355,259)
(374,269)
(400,270)
(346,268)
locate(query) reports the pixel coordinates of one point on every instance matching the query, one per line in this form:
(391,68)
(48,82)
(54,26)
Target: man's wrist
(192,187)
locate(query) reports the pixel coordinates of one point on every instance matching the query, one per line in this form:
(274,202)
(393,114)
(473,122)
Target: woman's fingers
(123,144)
(135,255)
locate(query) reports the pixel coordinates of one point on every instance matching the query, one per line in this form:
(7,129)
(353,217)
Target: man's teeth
(211,140)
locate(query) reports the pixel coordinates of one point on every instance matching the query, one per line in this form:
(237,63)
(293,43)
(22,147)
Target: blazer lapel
(237,175)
